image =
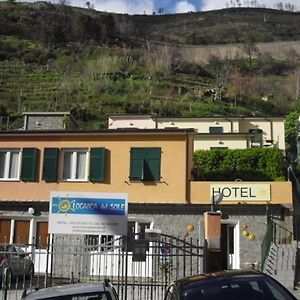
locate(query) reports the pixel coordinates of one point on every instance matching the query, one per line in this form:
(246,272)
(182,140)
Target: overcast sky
(171,6)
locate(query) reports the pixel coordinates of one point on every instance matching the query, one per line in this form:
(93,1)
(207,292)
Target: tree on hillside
(279,5)
(291,134)
(250,49)
(125,27)
(292,56)
(3,111)
(289,7)
(158,60)
(64,2)
(88,5)
(236,82)
(293,84)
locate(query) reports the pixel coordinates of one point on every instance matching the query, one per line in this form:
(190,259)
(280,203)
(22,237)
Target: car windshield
(256,288)
(87,296)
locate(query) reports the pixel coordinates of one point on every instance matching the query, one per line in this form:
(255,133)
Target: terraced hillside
(29,86)
(93,64)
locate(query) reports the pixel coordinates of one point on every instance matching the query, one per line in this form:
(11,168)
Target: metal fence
(139,267)
(276,234)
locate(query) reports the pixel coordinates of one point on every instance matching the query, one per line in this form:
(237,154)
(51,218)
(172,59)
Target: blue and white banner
(88,213)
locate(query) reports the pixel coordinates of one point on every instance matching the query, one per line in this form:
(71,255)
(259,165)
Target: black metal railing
(275,234)
(139,266)
(267,242)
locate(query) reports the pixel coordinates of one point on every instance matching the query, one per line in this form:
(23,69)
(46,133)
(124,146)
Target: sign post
(88,213)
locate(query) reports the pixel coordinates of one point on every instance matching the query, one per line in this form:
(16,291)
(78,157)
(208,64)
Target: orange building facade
(152,166)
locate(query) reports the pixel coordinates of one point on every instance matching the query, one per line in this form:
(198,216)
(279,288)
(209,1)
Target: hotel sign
(242,192)
(88,213)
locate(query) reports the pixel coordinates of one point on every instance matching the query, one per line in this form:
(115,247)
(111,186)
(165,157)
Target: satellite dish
(218,198)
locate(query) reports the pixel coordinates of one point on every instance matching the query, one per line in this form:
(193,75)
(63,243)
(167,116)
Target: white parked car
(78,291)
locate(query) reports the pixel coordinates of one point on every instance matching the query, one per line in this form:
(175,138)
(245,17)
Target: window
(106,241)
(136,229)
(145,164)
(74,164)
(9,164)
(215,129)
(136,242)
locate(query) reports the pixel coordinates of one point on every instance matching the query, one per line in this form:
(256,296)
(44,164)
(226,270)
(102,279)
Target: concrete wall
(49,122)
(201,125)
(174,220)
(45,123)
(127,121)
(201,54)
(206,142)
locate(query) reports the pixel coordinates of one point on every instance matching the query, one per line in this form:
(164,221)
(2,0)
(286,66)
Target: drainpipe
(25,122)
(231,124)
(271,129)
(187,175)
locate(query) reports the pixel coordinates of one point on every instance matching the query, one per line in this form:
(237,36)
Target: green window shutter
(50,164)
(97,164)
(29,164)
(152,164)
(137,158)
(215,129)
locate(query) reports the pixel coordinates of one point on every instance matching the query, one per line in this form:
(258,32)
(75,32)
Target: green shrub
(246,164)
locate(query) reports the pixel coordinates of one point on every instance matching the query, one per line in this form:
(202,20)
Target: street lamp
(215,199)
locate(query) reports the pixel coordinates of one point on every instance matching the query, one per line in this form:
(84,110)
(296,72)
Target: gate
(139,267)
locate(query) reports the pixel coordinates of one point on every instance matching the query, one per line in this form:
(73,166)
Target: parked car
(228,285)
(78,291)
(18,262)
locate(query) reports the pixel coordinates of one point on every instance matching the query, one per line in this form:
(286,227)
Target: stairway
(297,276)
(281,263)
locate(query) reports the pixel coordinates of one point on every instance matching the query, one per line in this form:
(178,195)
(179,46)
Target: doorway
(230,245)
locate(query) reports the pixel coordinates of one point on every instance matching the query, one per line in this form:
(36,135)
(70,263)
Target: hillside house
(221,133)
(49,121)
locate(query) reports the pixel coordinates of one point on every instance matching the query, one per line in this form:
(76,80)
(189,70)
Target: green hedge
(246,164)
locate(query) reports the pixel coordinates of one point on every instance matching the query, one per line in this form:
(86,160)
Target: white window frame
(7,164)
(73,165)
(138,221)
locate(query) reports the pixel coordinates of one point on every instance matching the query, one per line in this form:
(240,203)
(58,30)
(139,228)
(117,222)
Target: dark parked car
(228,285)
(18,262)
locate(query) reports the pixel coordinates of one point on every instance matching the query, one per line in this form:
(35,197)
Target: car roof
(218,275)
(68,289)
